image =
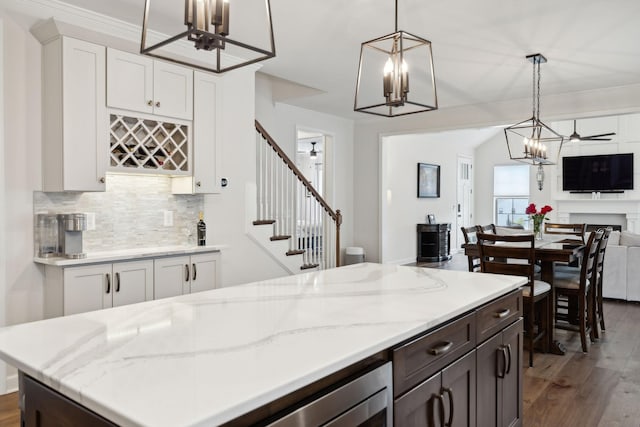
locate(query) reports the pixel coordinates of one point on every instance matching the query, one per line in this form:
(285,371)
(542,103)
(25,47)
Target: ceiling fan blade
(599,136)
(595,139)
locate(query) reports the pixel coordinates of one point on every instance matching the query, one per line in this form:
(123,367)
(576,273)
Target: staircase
(294,223)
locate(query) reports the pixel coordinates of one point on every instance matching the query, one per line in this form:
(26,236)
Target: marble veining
(206,358)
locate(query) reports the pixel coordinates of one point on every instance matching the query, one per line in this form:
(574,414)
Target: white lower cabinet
(80,289)
(179,275)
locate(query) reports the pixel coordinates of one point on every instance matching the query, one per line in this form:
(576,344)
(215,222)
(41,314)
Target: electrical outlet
(91,220)
(168,218)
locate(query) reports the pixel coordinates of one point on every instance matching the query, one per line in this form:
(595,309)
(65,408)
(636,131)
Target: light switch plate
(91,220)
(168,218)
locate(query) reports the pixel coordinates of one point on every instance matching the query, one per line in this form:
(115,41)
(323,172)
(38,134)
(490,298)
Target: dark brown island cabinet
(465,372)
(434,242)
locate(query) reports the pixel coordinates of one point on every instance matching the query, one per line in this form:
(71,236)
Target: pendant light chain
(396,16)
(538,116)
(533,91)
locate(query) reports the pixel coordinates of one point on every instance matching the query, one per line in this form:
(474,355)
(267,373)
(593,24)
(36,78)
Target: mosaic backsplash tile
(130,213)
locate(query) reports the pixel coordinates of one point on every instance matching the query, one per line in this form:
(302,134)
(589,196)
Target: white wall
(22,282)
(229,214)
(401,208)
(367,133)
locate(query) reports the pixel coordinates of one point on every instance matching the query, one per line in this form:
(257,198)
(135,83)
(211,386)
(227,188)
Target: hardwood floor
(600,388)
(9,412)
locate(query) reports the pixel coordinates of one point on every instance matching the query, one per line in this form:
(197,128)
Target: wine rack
(148,145)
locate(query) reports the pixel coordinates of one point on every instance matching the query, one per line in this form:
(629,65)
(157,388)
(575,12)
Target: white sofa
(622,267)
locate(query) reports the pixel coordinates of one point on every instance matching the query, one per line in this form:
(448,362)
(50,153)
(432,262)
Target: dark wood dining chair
(470,237)
(577,230)
(515,255)
(598,313)
(579,290)
(489,228)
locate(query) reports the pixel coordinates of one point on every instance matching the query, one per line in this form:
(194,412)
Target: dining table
(549,250)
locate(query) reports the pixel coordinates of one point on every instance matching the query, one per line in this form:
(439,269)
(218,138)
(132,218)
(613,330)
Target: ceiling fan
(575,136)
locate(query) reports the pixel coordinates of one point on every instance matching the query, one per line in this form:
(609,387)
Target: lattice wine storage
(148,145)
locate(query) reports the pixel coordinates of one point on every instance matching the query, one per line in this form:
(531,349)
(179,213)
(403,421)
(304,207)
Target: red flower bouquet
(538,217)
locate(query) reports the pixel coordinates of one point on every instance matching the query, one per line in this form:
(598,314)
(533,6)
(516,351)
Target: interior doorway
(310,157)
(464,207)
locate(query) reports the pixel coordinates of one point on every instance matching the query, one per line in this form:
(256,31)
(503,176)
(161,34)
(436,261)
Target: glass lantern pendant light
(206,26)
(531,141)
(383,87)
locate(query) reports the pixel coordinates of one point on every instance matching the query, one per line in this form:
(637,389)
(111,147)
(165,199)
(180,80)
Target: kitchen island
(209,358)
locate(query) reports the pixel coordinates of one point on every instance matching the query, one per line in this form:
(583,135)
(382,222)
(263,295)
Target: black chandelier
(211,26)
(531,141)
(383,86)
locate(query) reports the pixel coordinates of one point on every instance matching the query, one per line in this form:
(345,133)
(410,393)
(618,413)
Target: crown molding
(52,18)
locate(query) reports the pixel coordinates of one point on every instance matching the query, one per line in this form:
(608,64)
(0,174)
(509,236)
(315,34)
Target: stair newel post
(338,223)
(258,177)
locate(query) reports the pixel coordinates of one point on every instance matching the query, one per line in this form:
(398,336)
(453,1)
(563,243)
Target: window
(511,195)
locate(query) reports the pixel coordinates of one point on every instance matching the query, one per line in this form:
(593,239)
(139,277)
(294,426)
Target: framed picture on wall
(428,180)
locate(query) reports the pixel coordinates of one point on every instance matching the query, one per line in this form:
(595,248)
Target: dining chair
(598,313)
(515,255)
(489,228)
(579,290)
(577,230)
(470,237)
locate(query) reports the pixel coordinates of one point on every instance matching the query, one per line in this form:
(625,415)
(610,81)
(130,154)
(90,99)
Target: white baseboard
(12,383)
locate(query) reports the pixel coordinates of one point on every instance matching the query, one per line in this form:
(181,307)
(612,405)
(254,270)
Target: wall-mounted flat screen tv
(607,172)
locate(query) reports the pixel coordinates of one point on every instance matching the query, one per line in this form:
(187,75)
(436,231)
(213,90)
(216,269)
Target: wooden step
(308,266)
(282,237)
(264,222)
(296,252)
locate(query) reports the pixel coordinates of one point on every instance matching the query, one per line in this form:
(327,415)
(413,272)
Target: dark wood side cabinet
(434,242)
(467,373)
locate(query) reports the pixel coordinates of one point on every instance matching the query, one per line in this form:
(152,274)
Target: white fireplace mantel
(627,207)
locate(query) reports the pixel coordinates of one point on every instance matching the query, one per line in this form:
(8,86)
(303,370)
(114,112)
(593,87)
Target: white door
(206,133)
(129,81)
(84,118)
(171,276)
(87,288)
(464,207)
(132,282)
(204,271)
(172,90)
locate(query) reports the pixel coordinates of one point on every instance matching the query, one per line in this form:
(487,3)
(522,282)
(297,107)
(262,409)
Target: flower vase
(537,229)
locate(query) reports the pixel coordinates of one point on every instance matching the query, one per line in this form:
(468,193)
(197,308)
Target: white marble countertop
(128,254)
(206,358)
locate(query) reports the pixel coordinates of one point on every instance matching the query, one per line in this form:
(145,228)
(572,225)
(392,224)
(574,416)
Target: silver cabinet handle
(502,313)
(440,348)
(195,272)
(150,103)
(117,282)
(102,180)
(186,270)
(158,104)
(198,184)
(108,282)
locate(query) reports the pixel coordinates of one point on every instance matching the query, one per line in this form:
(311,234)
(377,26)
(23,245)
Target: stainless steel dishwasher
(366,401)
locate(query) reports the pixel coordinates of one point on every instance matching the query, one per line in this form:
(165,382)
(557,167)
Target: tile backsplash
(130,213)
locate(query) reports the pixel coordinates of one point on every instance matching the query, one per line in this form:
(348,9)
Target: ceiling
(479,47)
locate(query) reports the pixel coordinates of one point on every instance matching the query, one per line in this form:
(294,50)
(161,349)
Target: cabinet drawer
(498,314)
(419,359)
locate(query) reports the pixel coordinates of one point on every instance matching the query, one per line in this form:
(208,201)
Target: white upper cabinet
(75,122)
(139,83)
(207,126)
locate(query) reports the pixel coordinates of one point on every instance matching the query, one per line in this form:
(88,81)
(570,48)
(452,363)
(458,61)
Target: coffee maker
(70,228)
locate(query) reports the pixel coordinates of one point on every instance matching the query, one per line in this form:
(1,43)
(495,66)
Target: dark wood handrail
(335,215)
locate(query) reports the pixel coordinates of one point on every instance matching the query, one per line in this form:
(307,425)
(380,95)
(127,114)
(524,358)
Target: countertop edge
(128,254)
